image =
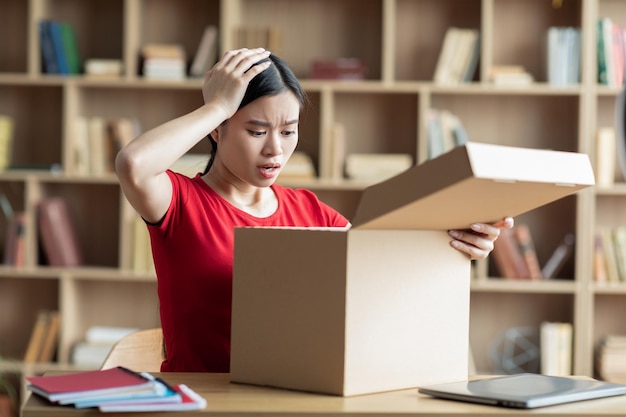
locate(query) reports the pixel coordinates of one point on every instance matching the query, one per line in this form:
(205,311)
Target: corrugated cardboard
(384,305)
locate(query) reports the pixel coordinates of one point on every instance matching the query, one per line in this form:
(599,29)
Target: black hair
(276,79)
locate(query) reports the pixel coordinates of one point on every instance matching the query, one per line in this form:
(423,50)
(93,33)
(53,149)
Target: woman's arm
(141,165)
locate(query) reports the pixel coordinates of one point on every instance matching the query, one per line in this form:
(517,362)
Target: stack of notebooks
(115,390)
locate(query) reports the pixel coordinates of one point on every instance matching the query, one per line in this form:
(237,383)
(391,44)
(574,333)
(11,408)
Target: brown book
(36,337)
(50,337)
(527,247)
(508,257)
(58,234)
(15,245)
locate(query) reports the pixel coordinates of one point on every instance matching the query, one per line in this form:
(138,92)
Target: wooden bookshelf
(399,41)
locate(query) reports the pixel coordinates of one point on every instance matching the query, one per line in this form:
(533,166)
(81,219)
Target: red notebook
(89,383)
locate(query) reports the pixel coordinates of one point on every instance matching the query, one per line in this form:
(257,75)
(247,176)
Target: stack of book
(115,390)
(164,61)
(611,358)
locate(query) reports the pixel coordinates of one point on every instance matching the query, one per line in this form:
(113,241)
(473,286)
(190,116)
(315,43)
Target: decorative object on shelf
(516,350)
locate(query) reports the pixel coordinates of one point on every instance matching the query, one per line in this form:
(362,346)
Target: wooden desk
(237,400)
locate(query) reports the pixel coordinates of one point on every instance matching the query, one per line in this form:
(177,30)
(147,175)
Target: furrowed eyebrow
(267,124)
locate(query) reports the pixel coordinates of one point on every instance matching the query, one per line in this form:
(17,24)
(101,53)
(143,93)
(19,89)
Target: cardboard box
(384,305)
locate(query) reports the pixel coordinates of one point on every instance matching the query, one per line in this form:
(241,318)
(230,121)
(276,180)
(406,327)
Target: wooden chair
(142,350)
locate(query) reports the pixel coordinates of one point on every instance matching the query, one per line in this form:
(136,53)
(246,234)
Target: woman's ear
(215,134)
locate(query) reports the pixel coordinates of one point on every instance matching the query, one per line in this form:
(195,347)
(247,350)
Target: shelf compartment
(21,298)
(531,121)
(420,30)
(341,28)
(127,303)
(491,314)
(181,22)
(378,122)
(36,143)
(13,55)
(97,224)
(533,19)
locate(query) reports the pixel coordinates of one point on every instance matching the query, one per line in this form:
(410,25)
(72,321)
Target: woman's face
(256,143)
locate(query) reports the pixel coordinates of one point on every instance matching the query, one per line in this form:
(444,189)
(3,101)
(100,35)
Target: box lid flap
(476,182)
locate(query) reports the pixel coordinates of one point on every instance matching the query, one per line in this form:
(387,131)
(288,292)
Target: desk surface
(238,400)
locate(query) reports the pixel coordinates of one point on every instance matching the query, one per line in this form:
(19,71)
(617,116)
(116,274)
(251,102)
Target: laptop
(525,390)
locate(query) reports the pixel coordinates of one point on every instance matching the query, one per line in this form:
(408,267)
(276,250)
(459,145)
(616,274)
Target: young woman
(252,103)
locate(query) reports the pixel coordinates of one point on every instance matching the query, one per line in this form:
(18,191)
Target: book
(527,246)
(58,234)
(161,394)
(15,241)
(100,67)
(508,257)
(559,257)
(206,54)
(458,57)
(37,336)
(59,51)
(345,69)
(50,337)
(556,348)
(376,167)
(6,141)
(68,388)
(190,400)
(600,273)
(48,55)
(70,48)
(606,160)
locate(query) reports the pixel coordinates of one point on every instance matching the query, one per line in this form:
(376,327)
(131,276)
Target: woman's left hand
(477,241)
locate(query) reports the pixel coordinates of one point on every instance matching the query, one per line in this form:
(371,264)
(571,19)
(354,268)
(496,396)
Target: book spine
(58,235)
(527,247)
(48,56)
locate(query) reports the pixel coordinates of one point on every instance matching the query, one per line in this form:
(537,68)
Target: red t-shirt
(193,250)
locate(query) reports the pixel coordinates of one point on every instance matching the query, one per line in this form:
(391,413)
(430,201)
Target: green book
(72,55)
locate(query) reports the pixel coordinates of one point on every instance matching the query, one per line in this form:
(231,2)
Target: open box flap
(476,182)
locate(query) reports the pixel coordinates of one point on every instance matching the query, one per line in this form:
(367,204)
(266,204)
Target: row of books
(555,340)
(611,358)
(458,57)
(59,48)
(564,55)
(515,256)
(56,231)
(611,51)
(445,132)
(97,140)
(44,337)
(610,254)
(116,389)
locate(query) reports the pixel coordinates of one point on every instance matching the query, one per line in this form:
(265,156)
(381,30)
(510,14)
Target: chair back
(141,351)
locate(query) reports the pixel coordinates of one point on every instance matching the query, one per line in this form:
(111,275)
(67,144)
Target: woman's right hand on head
(225,84)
